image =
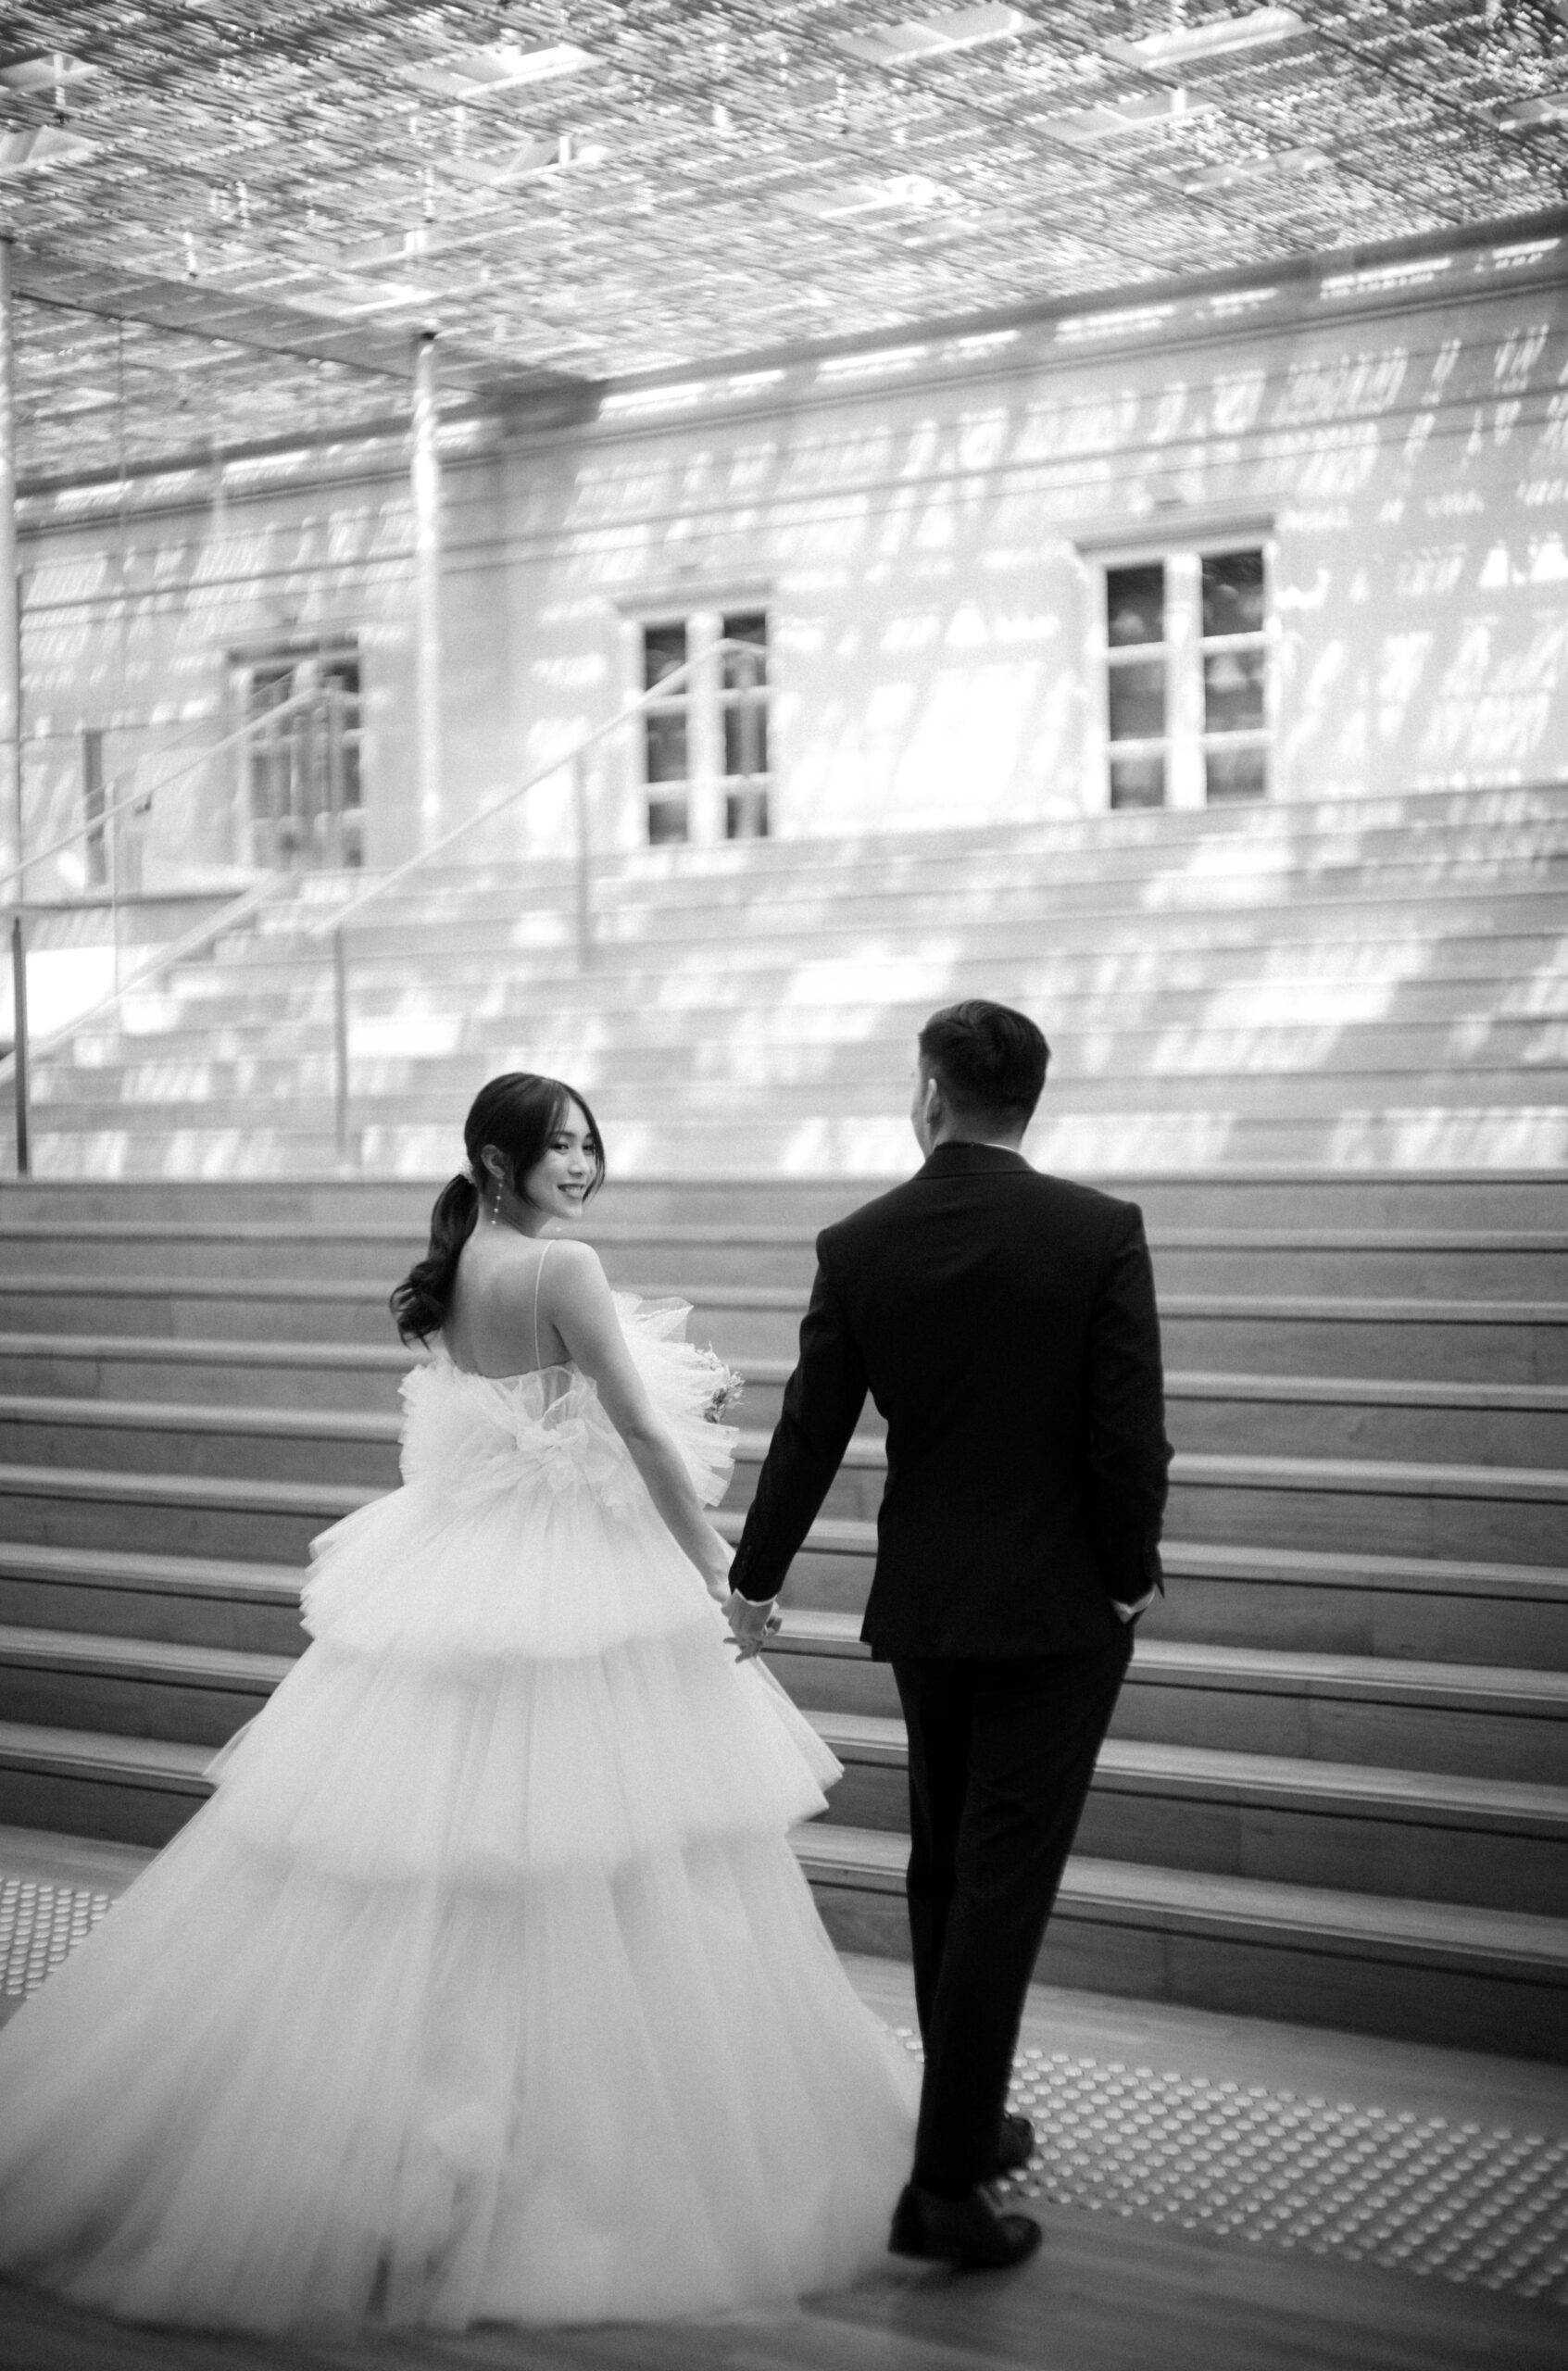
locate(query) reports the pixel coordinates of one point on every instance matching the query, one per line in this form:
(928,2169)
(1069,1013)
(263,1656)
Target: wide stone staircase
(1378,983)
(1336,1786)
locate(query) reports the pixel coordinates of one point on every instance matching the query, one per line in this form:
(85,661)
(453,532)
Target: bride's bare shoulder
(571,1267)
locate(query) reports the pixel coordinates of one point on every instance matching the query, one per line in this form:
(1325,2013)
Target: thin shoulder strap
(538,1275)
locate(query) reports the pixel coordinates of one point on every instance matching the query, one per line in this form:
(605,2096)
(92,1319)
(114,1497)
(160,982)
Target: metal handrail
(138,797)
(192,942)
(333,925)
(421,857)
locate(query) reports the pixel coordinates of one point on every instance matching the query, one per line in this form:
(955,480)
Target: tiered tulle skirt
(487,1986)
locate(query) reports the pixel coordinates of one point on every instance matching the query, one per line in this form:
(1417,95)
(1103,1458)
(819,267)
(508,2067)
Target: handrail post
(340,1047)
(584,860)
(19,1033)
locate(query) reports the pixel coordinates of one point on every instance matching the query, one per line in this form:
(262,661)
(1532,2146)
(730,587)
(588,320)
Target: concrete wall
(923,523)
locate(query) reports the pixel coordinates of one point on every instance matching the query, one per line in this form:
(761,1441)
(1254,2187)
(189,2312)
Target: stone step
(1497,1843)
(1309,1601)
(1223,1593)
(853,1149)
(393,1059)
(1482,1423)
(174,1513)
(825,1004)
(230,1604)
(1470,1340)
(806,873)
(1336,1199)
(389,1094)
(1500,1512)
(1435,1972)
(1394,1715)
(1490,1844)
(1264,1416)
(871,994)
(1430,903)
(114,1686)
(1443,1264)
(1434,1717)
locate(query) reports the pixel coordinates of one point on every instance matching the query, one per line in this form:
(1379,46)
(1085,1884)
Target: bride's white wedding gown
(486,1986)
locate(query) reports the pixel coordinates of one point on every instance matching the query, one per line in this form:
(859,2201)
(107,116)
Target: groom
(1003,1324)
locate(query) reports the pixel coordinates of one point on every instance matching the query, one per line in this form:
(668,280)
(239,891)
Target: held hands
(752,1623)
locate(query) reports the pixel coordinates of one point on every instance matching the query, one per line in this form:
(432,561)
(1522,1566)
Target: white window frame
(321,738)
(1185,740)
(705,700)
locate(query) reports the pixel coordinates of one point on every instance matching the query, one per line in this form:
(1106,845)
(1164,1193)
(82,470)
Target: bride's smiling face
(559,1182)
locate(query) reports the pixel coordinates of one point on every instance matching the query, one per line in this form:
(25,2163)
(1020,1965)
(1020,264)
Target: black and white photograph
(784,1186)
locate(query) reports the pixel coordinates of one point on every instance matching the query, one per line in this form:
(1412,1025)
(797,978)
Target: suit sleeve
(821,1405)
(1129,1456)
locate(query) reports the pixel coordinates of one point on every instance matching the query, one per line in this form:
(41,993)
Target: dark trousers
(1000,1758)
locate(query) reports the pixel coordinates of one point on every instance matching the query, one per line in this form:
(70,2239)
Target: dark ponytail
(518,1113)
(421,1301)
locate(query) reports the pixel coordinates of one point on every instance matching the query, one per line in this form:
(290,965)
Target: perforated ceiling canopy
(233,219)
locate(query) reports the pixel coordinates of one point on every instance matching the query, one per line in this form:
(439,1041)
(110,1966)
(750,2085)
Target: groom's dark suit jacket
(1003,1324)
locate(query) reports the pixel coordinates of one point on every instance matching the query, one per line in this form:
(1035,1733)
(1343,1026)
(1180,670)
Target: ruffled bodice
(477,1438)
(563,1552)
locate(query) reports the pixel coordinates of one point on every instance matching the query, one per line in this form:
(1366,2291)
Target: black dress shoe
(1015,2146)
(967,2232)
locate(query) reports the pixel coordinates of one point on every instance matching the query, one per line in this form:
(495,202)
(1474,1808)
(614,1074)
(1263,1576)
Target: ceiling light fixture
(1086,127)
(490,69)
(918,39)
(1220,38)
(1536,115)
(51,70)
(36,152)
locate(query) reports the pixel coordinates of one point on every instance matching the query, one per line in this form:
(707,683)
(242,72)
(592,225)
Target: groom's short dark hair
(989,1061)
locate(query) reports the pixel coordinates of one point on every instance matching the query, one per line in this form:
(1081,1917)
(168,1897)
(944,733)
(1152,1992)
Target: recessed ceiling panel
(575,192)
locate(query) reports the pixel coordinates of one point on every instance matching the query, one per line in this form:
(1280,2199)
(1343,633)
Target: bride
(486,1987)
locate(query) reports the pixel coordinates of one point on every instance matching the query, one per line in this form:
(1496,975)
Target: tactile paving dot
(1413,2192)
(39,1923)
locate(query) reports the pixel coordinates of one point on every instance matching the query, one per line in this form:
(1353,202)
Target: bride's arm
(578,1301)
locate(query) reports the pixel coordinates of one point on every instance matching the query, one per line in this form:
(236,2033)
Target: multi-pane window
(301,757)
(1186,679)
(1235,676)
(667,737)
(94,804)
(1136,691)
(704,741)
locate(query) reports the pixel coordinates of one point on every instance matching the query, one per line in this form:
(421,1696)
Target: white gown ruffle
(486,1987)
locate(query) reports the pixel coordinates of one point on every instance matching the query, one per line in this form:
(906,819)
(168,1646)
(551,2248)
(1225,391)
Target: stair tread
(1173,1769)
(840,1535)
(1281,1778)
(139,1658)
(221,1350)
(1446,1933)
(864,1452)
(1200,1899)
(137,1568)
(1275,1670)
(1370,1309)
(759,1237)
(1189,1382)
(329,1499)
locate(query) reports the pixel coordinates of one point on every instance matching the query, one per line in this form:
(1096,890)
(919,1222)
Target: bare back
(496,1325)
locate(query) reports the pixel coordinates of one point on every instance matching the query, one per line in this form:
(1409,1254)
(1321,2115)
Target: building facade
(1269,541)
